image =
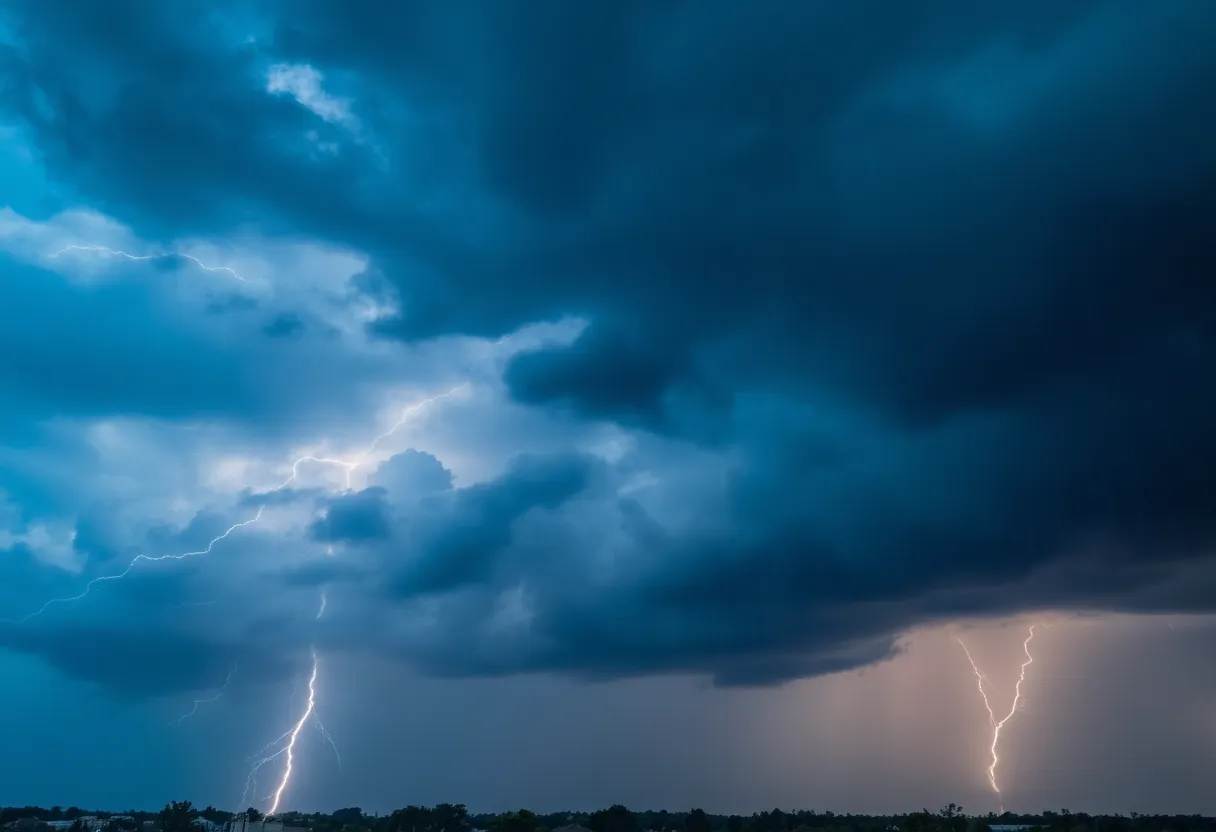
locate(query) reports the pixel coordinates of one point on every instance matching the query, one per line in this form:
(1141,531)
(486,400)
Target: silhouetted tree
(922,821)
(615,818)
(409,819)
(177,816)
(450,817)
(697,821)
(350,815)
(952,819)
(521,821)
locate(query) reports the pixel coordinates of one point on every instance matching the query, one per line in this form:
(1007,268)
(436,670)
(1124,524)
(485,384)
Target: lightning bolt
(135,561)
(207,701)
(997,725)
(168,255)
(284,746)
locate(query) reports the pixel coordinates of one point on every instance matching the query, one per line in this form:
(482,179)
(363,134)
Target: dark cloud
(476,526)
(353,518)
(141,663)
(439,539)
(936,281)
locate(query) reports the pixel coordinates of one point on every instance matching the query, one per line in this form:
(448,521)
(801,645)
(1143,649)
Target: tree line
(181,816)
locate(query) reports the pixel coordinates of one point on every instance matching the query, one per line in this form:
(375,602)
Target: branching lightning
(996,724)
(134,562)
(168,255)
(199,702)
(285,746)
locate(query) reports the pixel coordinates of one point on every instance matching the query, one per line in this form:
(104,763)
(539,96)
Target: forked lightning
(998,725)
(285,746)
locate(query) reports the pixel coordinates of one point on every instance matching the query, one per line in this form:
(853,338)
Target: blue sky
(604,380)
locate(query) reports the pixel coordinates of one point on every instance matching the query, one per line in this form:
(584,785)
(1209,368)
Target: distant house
(92,823)
(1010,827)
(574,827)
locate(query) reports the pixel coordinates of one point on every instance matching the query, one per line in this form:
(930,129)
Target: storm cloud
(864,317)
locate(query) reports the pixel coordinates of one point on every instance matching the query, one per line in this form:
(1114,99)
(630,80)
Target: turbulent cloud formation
(777,331)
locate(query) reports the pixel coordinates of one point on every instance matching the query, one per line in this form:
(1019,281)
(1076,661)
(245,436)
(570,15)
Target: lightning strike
(284,746)
(200,702)
(997,725)
(168,255)
(135,561)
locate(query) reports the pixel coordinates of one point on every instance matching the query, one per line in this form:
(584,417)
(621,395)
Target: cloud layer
(775,334)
